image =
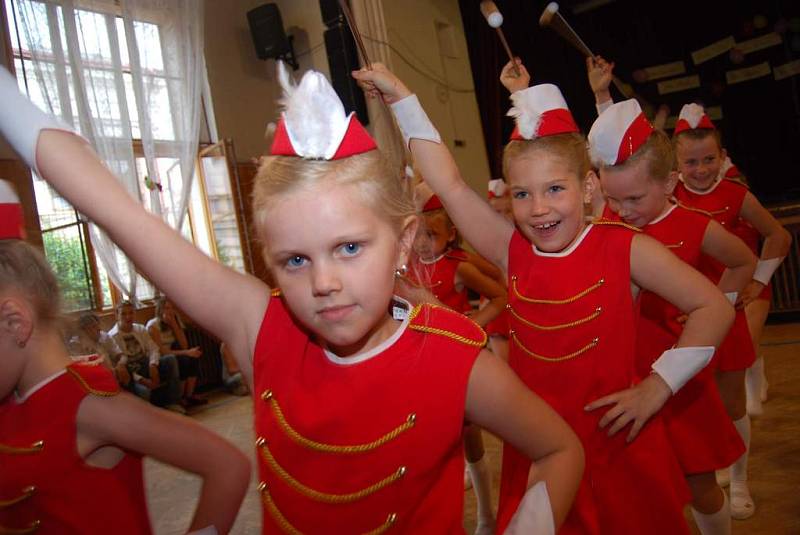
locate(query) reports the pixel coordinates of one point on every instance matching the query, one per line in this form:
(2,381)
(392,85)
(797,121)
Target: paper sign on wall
(678,84)
(759,43)
(787,69)
(665,71)
(713,50)
(748,73)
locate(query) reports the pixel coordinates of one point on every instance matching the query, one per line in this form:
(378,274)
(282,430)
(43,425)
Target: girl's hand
(749,294)
(510,79)
(600,73)
(194,352)
(636,404)
(381,82)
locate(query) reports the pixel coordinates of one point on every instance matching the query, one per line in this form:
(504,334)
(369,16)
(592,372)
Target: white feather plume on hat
(313,114)
(525,113)
(692,114)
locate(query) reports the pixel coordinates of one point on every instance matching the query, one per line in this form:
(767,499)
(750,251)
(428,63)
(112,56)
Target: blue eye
(556,188)
(350,249)
(295,261)
(520,194)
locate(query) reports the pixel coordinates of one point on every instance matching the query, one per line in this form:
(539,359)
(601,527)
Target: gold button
(392,518)
(262,487)
(266,395)
(402,471)
(39,444)
(260,441)
(412,418)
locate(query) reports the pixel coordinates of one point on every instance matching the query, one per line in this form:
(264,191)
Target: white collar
(664,215)
(698,192)
(429,262)
(38,386)
(568,250)
(377,350)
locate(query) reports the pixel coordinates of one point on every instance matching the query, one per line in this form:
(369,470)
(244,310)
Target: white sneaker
(467,479)
(724,477)
(485,527)
(176,408)
(742,505)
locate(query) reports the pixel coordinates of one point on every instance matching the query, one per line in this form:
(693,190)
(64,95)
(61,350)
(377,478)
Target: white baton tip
(495,19)
(552,7)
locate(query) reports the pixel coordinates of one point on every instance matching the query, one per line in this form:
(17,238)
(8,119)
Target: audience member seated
(232,376)
(91,340)
(167,331)
(152,376)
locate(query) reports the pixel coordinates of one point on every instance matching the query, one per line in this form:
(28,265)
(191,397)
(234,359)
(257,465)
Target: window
(40,28)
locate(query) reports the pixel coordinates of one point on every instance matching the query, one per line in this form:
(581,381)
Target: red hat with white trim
(540,111)
(313,124)
(618,133)
(693,116)
(11,220)
(425,199)
(497,188)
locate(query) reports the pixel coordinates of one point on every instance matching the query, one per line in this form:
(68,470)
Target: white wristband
(413,121)
(732,296)
(765,269)
(603,106)
(534,516)
(677,366)
(208,530)
(21,121)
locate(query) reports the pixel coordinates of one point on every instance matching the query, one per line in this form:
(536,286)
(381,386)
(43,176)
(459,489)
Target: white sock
(482,485)
(718,523)
(739,468)
(754,384)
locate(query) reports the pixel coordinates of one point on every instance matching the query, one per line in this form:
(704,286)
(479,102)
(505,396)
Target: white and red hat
(313,124)
(693,116)
(497,188)
(425,199)
(11,220)
(618,133)
(540,111)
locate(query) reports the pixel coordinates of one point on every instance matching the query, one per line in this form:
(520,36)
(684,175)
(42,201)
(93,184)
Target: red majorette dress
(439,276)
(45,486)
(698,427)
(723,202)
(572,341)
(752,238)
(367,444)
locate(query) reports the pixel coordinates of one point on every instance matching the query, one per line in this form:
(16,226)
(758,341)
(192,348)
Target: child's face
(632,194)
(699,161)
(547,200)
(434,239)
(334,260)
(125,318)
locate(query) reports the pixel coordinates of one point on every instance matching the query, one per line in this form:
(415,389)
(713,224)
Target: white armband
(603,106)
(677,366)
(21,121)
(534,516)
(732,296)
(765,269)
(413,121)
(208,530)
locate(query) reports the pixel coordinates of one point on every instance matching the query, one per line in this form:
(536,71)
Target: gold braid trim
(275,293)
(615,224)
(268,397)
(443,332)
(693,209)
(284,524)
(36,447)
(27,492)
(85,385)
(562,358)
(566,301)
(20,531)
(559,326)
(324,497)
(674,245)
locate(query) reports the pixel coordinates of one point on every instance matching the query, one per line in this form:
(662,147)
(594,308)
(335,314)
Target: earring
(21,343)
(401,271)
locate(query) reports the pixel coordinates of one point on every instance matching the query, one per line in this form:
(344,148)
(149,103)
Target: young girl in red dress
(572,314)
(360,398)
(71,444)
(638,185)
(703,186)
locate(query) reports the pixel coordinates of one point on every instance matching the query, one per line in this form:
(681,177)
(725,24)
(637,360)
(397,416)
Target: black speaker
(331,13)
(266,28)
(342,59)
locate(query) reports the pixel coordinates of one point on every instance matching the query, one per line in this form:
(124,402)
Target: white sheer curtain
(118,70)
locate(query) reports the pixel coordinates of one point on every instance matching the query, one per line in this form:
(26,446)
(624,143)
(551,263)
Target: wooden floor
(774,459)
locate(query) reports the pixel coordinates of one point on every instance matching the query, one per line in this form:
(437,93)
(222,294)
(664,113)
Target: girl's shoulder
(447,324)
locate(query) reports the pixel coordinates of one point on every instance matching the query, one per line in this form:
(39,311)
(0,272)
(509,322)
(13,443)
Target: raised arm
(600,73)
(487,231)
(733,253)
(228,304)
(498,401)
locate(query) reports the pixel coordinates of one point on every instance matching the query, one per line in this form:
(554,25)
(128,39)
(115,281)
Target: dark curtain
(761,118)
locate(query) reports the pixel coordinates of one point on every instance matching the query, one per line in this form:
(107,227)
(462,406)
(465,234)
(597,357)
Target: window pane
(65,253)
(222,212)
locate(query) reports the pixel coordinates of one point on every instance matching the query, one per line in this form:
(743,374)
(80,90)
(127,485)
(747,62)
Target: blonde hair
(374,177)
(658,153)
(570,148)
(24,268)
